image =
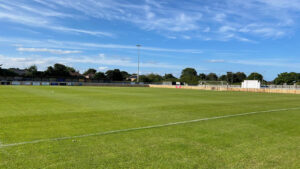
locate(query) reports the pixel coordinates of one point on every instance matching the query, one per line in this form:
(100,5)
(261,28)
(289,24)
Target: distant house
(76,74)
(90,76)
(132,78)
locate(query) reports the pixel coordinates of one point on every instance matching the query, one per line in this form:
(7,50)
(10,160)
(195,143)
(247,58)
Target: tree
(32,71)
(155,77)
(212,77)
(229,77)
(7,73)
(202,76)
(239,77)
(71,70)
(288,78)
(114,75)
(223,78)
(169,77)
(189,75)
(61,70)
(32,68)
(49,72)
(90,71)
(58,70)
(255,76)
(125,75)
(144,78)
(99,76)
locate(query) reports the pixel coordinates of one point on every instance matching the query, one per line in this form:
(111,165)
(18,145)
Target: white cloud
(268,63)
(154,15)
(133,47)
(179,23)
(150,15)
(207,29)
(273,18)
(288,4)
(226,29)
(270,32)
(42,18)
(83,45)
(171,37)
(216,61)
(27,20)
(89,32)
(186,37)
(102,68)
(101,59)
(220,17)
(24,62)
(263,30)
(30,43)
(6,7)
(53,51)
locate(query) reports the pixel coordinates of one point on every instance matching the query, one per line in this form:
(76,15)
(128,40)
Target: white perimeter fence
(133,84)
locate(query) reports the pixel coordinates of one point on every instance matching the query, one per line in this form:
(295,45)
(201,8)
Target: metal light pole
(138,73)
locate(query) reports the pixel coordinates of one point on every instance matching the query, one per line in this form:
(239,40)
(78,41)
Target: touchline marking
(141,128)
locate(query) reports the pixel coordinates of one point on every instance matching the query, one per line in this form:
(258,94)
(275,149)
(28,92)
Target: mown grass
(266,140)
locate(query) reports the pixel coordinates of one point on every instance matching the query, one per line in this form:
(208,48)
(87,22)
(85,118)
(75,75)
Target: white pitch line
(141,128)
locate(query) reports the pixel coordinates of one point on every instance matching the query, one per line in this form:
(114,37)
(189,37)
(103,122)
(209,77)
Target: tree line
(188,75)
(191,76)
(63,71)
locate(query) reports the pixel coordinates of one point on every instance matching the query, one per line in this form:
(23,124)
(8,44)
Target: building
(251,84)
(132,78)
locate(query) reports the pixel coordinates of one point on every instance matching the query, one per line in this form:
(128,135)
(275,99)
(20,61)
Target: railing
(69,83)
(87,82)
(284,86)
(221,86)
(263,87)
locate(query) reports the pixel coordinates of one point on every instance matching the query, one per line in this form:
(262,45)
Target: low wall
(41,83)
(215,88)
(265,90)
(115,85)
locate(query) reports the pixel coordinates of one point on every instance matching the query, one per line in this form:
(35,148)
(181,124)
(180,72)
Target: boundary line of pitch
(141,128)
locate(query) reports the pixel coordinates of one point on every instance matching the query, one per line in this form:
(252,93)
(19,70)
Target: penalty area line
(142,128)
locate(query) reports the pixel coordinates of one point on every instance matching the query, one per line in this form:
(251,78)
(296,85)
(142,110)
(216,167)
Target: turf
(265,140)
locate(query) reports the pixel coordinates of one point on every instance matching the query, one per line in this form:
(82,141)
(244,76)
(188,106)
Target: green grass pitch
(264,140)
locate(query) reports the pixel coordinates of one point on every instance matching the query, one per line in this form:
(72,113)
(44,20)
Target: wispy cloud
(39,17)
(75,30)
(260,62)
(229,15)
(267,63)
(30,43)
(133,47)
(288,4)
(101,59)
(53,51)
(216,61)
(216,20)
(102,68)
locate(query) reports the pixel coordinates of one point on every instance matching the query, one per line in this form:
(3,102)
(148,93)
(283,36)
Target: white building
(251,84)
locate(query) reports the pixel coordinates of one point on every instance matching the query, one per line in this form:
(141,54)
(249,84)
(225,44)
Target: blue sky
(209,35)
